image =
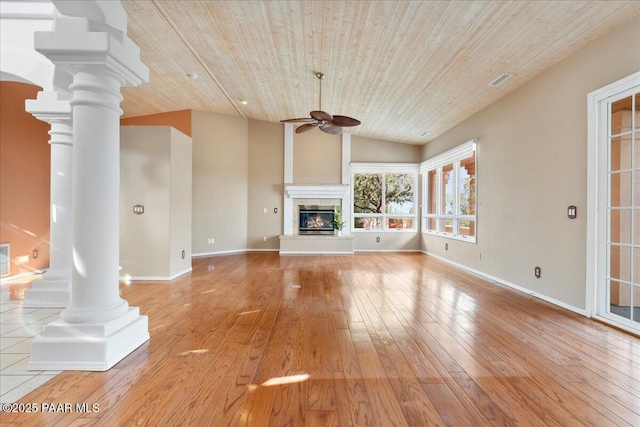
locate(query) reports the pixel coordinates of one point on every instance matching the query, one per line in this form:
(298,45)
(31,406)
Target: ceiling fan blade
(300,120)
(321,115)
(304,128)
(344,121)
(331,128)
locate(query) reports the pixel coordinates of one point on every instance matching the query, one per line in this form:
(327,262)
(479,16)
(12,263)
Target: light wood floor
(368,340)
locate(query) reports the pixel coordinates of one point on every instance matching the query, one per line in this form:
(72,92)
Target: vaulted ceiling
(409,70)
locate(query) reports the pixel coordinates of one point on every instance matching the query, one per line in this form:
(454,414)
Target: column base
(88,347)
(46,293)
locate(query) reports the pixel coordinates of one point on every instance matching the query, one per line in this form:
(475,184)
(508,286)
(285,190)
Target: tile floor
(18,327)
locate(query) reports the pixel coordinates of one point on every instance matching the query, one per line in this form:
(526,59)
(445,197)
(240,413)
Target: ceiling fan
(323,120)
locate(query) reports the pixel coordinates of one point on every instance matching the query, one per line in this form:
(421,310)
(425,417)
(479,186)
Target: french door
(614,193)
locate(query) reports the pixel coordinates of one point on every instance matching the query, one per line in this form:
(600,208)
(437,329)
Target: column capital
(55,109)
(49,106)
(78,41)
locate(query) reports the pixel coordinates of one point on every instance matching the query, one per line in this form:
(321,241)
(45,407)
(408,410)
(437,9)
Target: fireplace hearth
(315,220)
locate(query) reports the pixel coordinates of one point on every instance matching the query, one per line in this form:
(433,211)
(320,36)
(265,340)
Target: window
(449,182)
(384,196)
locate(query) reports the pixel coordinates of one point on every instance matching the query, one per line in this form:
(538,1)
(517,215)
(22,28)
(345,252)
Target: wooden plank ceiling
(409,70)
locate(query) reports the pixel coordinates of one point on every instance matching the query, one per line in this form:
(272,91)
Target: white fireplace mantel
(316,191)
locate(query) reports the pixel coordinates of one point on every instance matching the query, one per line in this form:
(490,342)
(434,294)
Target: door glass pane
(636,267)
(635,303)
(620,299)
(620,226)
(636,227)
(636,189)
(620,190)
(621,153)
(636,139)
(637,111)
(621,116)
(620,262)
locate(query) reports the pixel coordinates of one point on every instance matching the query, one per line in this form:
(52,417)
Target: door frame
(597,112)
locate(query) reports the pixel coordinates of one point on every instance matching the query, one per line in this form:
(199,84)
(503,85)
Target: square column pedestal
(89,347)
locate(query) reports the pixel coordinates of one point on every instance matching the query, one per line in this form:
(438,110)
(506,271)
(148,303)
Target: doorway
(614,195)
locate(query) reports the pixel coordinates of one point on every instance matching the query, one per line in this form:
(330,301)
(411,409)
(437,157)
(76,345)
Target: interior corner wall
(266,185)
(180,192)
(532,164)
(220,182)
(25,164)
(180,120)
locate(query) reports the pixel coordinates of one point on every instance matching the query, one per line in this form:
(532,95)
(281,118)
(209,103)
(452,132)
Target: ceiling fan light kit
(323,120)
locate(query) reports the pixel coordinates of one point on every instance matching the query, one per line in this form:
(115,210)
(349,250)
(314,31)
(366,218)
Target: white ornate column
(54,289)
(98,328)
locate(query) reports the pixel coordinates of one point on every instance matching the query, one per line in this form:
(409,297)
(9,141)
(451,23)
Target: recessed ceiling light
(192,76)
(243,102)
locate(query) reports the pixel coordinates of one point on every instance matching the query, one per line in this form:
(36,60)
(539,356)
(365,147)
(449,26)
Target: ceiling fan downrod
(320,76)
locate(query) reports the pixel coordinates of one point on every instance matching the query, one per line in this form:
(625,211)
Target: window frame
(384,169)
(452,157)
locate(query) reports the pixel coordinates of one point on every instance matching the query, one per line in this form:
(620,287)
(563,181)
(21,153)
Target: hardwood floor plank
(366,340)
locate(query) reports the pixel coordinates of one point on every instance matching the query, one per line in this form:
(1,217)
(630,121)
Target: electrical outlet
(211,241)
(264,210)
(537,271)
(264,239)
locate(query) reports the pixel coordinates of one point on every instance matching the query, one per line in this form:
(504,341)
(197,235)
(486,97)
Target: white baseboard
(315,253)
(206,254)
(512,285)
(157,278)
(9,279)
(388,250)
(262,250)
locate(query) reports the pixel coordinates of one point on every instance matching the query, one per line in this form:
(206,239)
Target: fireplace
(316,220)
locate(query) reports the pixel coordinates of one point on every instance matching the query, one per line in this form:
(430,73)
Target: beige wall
(180,120)
(144,179)
(532,164)
(25,164)
(364,150)
(155,171)
(266,178)
(181,201)
(220,182)
(317,158)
